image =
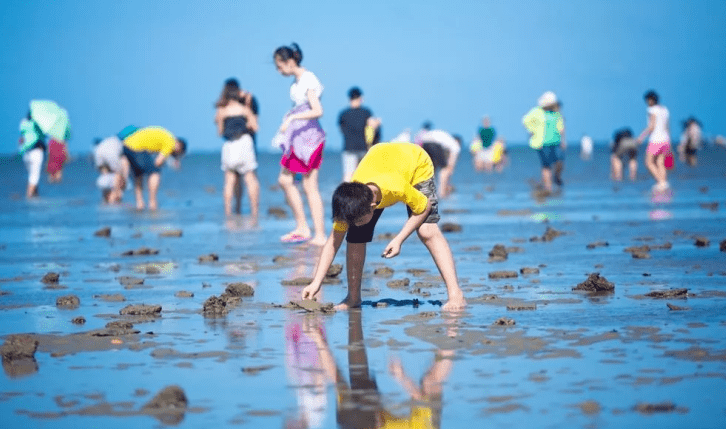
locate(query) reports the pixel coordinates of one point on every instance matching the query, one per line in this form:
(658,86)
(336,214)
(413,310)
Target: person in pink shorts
(659,143)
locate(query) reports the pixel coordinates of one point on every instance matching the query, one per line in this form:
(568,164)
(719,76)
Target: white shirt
(299,88)
(660,132)
(443,138)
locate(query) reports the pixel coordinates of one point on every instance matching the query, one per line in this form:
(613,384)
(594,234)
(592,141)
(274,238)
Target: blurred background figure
(487,151)
(426,126)
(547,127)
(658,154)
(586,146)
(107,159)
(236,122)
(32,149)
(443,149)
(624,150)
(359,129)
(691,139)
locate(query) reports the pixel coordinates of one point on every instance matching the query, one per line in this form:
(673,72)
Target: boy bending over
(389,173)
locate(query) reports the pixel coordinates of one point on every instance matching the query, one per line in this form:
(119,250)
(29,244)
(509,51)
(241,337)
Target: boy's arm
(412,224)
(330,249)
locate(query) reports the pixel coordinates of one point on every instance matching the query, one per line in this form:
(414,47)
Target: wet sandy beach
(114,318)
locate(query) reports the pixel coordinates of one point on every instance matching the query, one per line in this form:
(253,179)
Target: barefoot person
(237,122)
(301,139)
(144,153)
(659,143)
(546,128)
(388,174)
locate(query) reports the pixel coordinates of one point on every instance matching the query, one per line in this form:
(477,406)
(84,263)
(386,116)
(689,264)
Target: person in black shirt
(353,122)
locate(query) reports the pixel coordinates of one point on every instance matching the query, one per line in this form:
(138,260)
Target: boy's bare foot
(318,240)
(140,207)
(347,305)
(454,304)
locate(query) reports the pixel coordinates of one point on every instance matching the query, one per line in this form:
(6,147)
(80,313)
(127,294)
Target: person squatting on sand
(691,139)
(302,140)
(144,153)
(388,174)
(107,159)
(359,129)
(624,148)
(659,143)
(547,129)
(236,122)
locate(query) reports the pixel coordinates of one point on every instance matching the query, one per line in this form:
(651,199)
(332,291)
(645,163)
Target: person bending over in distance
(388,174)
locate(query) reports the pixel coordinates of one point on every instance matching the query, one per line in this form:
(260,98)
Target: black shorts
(364,233)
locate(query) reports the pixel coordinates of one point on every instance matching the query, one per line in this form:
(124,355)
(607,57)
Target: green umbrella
(51,118)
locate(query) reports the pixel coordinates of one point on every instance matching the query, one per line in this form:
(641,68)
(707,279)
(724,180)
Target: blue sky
(113,63)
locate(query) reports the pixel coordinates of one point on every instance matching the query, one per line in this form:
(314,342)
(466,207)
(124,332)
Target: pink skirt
(57,156)
(294,164)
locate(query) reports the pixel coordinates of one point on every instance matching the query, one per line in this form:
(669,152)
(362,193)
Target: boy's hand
(393,249)
(310,291)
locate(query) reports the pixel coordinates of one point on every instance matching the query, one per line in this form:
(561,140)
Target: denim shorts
(549,155)
(142,163)
(364,233)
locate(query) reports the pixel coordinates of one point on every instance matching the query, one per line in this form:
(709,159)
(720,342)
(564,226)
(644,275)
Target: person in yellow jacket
(547,136)
(144,152)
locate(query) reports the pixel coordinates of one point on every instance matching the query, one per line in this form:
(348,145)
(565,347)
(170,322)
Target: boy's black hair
(183,144)
(354,93)
(351,200)
(651,95)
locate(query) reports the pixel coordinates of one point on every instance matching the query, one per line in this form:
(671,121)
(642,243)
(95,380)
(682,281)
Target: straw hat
(547,99)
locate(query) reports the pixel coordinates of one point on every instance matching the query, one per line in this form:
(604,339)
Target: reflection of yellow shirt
(151,139)
(395,168)
(420,418)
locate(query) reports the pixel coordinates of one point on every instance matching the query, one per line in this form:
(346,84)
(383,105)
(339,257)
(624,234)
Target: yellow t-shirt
(395,168)
(420,418)
(151,139)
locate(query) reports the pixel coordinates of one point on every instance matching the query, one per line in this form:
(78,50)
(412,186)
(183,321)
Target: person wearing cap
(547,135)
(144,152)
(359,129)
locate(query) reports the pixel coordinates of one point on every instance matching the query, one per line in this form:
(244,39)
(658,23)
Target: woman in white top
(659,144)
(302,140)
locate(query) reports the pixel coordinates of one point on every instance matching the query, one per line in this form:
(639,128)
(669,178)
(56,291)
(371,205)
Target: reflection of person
(388,174)
(586,145)
(443,149)
(359,129)
(359,402)
(659,143)
(144,153)
(236,122)
(691,140)
(107,159)
(32,148)
(624,148)
(546,127)
(302,140)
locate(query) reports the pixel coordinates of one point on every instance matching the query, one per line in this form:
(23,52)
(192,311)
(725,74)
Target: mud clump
(214,307)
(312,306)
(130,280)
(640,255)
(597,244)
(141,251)
(503,275)
(184,294)
(673,307)
(116,328)
(334,270)
(103,232)
(115,297)
(498,253)
(277,212)
(713,206)
(383,272)
(51,278)
(399,284)
(80,320)
(701,241)
(141,310)
(450,227)
(212,257)
(171,233)
(18,355)
(549,235)
(526,271)
(67,301)
(239,290)
(168,405)
(661,407)
(503,321)
(672,293)
(297,281)
(595,283)
(524,306)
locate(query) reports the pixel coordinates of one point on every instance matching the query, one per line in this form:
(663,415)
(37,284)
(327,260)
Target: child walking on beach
(659,144)
(547,130)
(388,174)
(301,139)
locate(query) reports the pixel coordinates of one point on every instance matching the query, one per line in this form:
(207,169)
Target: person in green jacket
(547,136)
